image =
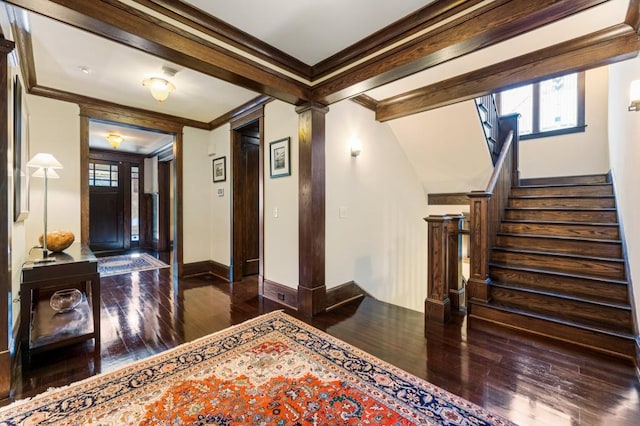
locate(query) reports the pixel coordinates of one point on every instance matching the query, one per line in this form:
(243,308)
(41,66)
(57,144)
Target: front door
(106,206)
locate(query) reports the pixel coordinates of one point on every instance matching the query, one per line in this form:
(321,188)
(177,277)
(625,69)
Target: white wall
(446,147)
(219,146)
(281,233)
(196,184)
(624,151)
(55,128)
(576,153)
(381,243)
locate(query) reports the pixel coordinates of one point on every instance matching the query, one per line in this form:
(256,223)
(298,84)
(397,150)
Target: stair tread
(559,222)
(578,209)
(569,323)
(563,185)
(559,237)
(559,273)
(554,254)
(622,306)
(533,197)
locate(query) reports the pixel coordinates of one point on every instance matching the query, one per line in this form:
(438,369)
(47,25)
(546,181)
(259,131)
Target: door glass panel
(103,175)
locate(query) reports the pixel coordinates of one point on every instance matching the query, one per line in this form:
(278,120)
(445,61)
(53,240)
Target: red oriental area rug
(272,370)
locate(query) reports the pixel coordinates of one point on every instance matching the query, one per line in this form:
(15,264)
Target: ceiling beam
(236,113)
(20,27)
(208,24)
(603,47)
(486,26)
(122,113)
(130,27)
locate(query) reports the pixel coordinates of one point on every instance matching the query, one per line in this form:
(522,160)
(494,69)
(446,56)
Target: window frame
(536,133)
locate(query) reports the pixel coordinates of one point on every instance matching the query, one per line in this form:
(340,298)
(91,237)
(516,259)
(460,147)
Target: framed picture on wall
(220,169)
(20,154)
(279,159)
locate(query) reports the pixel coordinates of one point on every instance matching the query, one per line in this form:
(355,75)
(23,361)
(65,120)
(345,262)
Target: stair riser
(555,245)
(566,180)
(570,286)
(613,345)
(603,232)
(597,268)
(561,190)
(572,310)
(563,216)
(608,202)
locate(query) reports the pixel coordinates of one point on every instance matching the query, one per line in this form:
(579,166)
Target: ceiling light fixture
(160,87)
(114,140)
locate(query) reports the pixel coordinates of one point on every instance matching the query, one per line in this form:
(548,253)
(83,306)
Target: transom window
(547,108)
(103,174)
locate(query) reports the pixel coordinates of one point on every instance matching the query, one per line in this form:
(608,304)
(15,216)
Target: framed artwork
(220,169)
(279,159)
(20,154)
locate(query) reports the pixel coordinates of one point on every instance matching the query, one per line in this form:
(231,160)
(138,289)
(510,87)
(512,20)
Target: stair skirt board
(618,345)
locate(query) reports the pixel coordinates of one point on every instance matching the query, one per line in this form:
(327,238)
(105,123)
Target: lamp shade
(44,160)
(51,173)
(159,88)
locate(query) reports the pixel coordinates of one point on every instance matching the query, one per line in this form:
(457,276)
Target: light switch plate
(220,192)
(343,212)
(275,212)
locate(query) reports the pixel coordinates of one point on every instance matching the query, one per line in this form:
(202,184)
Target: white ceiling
(309,30)
(136,140)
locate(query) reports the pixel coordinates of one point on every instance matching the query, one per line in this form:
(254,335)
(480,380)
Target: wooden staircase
(557,267)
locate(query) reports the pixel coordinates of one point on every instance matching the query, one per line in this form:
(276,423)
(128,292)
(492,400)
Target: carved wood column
(6,219)
(454,262)
(311,208)
(437,306)
(478,246)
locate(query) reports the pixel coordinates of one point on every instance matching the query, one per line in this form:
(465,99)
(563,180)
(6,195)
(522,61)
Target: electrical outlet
(281,297)
(343,212)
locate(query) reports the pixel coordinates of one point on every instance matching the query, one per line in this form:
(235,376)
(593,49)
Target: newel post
(509,123)
(479,245)
(437,306)
(454,262)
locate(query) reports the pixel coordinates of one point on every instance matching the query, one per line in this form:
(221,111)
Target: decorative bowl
(58,240)
(65,300)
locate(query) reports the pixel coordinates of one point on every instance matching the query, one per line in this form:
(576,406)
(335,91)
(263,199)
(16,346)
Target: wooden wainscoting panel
(342,294)
(451,198)
(280,293)
(206,267)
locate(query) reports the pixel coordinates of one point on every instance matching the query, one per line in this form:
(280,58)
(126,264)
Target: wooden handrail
(487,208)
(493,180)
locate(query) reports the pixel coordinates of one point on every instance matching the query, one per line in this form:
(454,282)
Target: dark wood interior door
(106,206)
(250,214)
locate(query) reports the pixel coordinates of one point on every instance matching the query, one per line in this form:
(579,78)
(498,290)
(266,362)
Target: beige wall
(196,183)
(281,233)
(381,243)
(576,153)
(446,148)
(624,148)
(219,146)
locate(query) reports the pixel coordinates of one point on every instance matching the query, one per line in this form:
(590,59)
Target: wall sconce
(160,87)
(356,146)
(114,140)
(634,96)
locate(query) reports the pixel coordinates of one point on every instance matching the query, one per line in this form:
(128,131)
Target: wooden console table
(42,328)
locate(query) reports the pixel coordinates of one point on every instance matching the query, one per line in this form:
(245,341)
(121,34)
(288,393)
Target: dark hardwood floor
(529,381)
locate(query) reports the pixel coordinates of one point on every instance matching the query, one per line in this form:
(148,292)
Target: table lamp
(45,163)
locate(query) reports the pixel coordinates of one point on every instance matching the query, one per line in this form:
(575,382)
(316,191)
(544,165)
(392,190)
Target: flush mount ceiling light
(114,140)
(160,87)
